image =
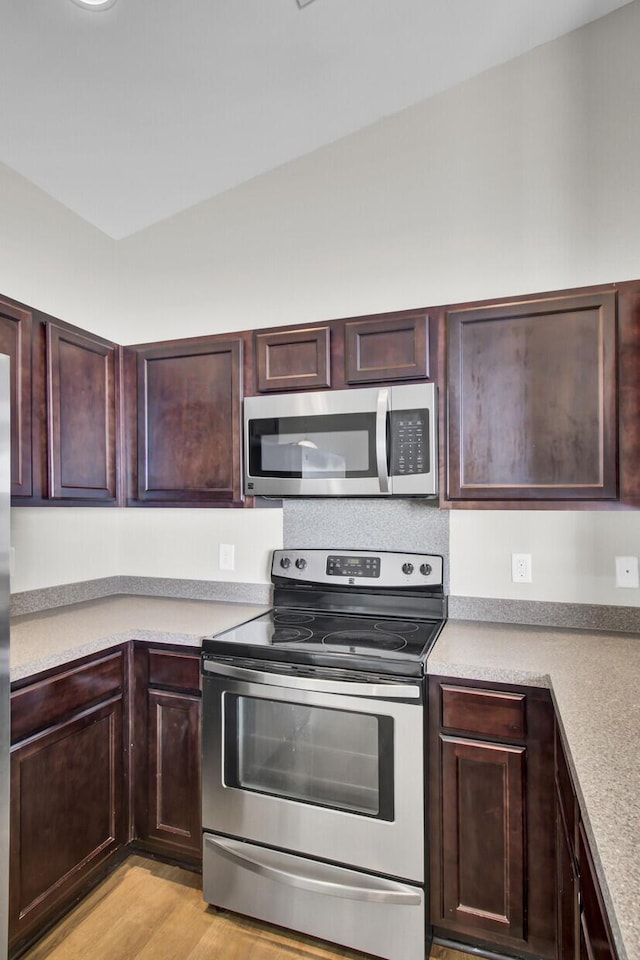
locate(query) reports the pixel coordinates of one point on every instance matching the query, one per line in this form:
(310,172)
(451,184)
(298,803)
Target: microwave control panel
(409,431)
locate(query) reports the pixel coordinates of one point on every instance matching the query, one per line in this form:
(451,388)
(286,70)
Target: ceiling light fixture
(94,4)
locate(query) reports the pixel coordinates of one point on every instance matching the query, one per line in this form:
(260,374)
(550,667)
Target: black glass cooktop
(350,642)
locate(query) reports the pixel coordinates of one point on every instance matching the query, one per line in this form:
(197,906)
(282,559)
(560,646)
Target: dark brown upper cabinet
(15,342)
(386,348)
(532,399)
(188,425)
(81,415)
(292,359)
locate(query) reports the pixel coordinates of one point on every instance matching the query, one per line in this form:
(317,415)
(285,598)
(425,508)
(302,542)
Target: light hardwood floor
(151,911)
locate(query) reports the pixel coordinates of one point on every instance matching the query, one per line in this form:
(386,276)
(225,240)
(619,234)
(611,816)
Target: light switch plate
(627,572)
(227,558)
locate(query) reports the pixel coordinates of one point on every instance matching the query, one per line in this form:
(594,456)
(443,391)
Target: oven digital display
(353,566)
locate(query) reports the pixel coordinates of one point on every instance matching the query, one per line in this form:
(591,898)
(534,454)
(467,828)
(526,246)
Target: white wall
(53,261)
(185,543)
(523,179)
(573,554)
(67,545)
(51,547)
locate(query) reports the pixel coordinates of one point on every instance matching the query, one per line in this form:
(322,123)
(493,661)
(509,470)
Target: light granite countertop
(40,641)
(593,678)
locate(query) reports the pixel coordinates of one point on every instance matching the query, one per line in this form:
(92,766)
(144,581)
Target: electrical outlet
(521,567)
(627,572)
(227,558)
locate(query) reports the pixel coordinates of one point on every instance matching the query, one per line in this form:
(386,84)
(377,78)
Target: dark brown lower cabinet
(491,802)
(583,931)
(67,788)
(167,807)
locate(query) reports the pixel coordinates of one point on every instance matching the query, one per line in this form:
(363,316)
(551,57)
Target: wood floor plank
(152,911)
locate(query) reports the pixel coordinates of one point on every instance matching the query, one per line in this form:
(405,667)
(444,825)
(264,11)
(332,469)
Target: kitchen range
(313,750)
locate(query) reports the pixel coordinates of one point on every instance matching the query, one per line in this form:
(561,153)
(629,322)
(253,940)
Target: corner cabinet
(491,816)
(166,709)
(67,788)
(184,426)
(532,399)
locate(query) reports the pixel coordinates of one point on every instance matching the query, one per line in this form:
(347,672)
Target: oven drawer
(372,914)
(486,712)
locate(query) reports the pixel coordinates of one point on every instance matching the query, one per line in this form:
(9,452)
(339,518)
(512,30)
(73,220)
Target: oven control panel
(376,569)
(341,566)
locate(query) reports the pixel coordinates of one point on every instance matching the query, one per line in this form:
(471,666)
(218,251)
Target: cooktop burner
(364,640)
(289,635)
(292,616)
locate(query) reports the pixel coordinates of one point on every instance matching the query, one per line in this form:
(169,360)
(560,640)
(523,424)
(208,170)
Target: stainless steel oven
(313,751)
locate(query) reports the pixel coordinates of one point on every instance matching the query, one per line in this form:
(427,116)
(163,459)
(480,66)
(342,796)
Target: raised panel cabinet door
(483,837)
(81,408)
(292,359)
(15,342)
(391,348)
(189,421)
(66,813)
(174,772)
(532,408)
(596,937)
(568,904)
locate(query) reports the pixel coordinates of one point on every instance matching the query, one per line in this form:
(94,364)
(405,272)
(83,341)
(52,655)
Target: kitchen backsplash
(411,525)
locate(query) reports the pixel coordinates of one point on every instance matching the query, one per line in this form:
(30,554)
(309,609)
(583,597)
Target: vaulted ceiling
(134,113)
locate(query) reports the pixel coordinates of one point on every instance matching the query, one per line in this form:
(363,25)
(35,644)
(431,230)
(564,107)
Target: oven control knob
(301,563)
(407,568)
(285,563)
(425,569)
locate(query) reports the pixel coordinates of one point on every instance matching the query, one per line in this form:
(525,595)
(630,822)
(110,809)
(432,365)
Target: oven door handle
(382,409)
(312,875)
(357,688)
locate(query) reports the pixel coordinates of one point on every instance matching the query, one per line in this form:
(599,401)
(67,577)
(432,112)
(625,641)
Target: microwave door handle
(381,440)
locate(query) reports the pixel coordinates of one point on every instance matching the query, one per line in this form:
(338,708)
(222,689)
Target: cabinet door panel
(532,400)
(66,812)
(391,348)
(81,402)
(15,342)
(483,836)
(568,910)
(189,397)
(596,933)
(174,771)
(293,359)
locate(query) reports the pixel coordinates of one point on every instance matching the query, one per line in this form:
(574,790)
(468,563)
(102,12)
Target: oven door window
(330,758)
(313,447)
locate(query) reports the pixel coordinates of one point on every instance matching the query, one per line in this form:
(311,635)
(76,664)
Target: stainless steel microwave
(370,442)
